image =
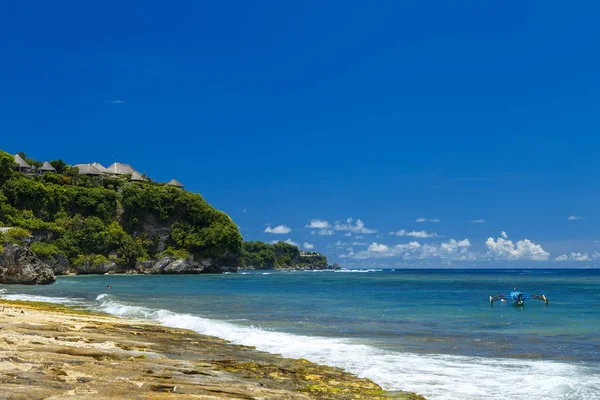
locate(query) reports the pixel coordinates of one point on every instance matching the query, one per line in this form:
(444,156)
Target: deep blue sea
(428,331)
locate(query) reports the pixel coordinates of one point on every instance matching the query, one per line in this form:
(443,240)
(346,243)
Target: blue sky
(281,114)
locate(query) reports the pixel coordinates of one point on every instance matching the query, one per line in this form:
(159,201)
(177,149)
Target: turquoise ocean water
(429,331)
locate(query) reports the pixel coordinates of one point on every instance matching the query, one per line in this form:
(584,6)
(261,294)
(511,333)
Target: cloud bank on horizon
(417,234)
(324,228)
(422,249)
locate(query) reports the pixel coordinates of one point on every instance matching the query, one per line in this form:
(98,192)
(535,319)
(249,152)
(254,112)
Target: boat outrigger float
(518,298)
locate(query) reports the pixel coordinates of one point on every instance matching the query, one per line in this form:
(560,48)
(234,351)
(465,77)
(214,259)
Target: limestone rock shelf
(50,351)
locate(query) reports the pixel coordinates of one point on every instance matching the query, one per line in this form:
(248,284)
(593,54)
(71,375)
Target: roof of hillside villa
(120,169)
(136,176)
(96,169)
(20,162)
(100,167)
(174,182)
(47,167)
(309,254)
(88,169)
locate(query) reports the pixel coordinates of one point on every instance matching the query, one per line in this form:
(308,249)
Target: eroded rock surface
(48,351)
(18,264)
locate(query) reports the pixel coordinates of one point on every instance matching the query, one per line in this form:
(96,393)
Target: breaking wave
(45,299)
(358,271)
(435,376)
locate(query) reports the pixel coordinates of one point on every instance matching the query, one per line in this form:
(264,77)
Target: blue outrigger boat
(518,298)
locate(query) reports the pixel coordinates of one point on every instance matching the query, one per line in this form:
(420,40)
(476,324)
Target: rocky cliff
(281,256)
(18,264)
(81,224)
(91,225)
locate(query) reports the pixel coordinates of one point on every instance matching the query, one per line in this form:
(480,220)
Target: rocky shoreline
(19,265)
(49,350)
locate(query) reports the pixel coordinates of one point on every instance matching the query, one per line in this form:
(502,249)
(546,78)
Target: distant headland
(90,219)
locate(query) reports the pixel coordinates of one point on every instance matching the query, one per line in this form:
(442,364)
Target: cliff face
(18,264)
(280,256)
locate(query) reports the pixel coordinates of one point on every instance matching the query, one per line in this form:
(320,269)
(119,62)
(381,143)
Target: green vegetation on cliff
(280,255)
(92,218)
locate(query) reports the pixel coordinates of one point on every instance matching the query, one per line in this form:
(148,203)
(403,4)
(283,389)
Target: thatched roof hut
(100,167)
(120,169)
(46,167)
(136,176)
(21,164)
(174,182)
(89,169)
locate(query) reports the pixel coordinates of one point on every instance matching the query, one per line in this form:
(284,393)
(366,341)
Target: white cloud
(460,250)
(427,220)
(378,248)
(349,255)
(478,221)
(505,249)
(244,210)
(323,232)
(451,250)
(408,246)
(322,227)
(359,244)
(278,230)
(358,227)
(580,257)
(416,234)
(504,235)
(348,234)
(574,218)
(288,241)
(575,257)
(308,246)
(338,244)
(318,224)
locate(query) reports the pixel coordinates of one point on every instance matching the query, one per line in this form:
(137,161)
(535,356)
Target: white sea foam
(439,377)
(45,299)
(359,271)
